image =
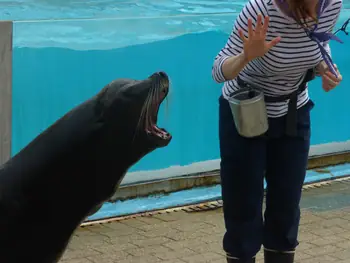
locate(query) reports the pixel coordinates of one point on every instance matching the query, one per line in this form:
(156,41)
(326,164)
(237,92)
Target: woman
(273,45)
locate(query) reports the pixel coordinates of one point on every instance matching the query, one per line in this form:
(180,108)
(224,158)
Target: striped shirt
(281,70)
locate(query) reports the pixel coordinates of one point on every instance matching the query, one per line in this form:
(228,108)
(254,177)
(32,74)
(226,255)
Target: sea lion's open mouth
(158,93)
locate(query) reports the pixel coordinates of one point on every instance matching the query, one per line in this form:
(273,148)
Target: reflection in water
(92,34)
(47,9)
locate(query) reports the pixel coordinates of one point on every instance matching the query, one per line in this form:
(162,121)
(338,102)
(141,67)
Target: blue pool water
(58,9)
(77,9)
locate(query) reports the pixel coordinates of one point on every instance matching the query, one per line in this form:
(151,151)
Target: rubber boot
(236,260)
(271,256)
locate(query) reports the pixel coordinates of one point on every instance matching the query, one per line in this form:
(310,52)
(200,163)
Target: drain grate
(212,205)
(326,183)
(202,207)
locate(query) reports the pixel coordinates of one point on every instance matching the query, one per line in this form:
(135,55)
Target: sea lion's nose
(162,74)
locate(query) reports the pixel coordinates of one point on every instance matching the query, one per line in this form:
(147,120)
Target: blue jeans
(245,162)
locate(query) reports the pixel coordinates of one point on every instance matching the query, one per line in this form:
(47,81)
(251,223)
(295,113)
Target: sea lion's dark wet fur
(56,181)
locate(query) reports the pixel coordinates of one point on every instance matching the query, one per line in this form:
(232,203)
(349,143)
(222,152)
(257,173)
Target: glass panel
(330,117)
(58,64)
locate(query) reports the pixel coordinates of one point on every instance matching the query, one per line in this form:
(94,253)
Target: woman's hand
(329,81)
(255,45)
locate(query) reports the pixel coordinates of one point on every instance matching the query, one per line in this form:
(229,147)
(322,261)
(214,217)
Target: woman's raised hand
(255,45)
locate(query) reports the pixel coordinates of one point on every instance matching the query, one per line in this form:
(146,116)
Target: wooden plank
(5,89)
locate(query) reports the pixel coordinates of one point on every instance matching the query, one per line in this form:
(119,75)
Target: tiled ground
(181,237)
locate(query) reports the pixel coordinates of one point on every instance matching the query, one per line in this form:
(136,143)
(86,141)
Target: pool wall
(57,64)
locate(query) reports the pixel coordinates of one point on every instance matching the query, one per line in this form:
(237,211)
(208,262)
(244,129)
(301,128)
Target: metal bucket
(249,112)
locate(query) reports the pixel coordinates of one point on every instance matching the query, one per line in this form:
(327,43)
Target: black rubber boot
(236,260)
(278,257)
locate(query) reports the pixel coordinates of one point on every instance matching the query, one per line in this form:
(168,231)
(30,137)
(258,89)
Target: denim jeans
(245,162)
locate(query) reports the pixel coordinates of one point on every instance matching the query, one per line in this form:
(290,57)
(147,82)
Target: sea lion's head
(130,111)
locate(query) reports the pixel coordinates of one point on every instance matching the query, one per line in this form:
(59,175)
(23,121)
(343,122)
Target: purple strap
(319,37)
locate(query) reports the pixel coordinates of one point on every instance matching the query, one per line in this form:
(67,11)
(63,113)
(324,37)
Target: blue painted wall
(54,70)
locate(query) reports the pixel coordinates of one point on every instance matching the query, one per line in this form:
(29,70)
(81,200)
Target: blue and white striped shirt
(281,70)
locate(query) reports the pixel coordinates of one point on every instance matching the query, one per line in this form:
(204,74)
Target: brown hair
(301,12)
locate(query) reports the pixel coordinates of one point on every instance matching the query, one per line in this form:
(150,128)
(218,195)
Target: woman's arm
(231,59)
(233,65)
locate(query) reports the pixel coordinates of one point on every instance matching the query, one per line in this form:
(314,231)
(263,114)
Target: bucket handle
(251,91)
(244,86)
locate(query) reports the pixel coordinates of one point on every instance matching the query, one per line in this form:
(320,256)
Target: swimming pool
(65,52)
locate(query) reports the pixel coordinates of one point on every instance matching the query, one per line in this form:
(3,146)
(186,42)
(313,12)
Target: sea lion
(70,169)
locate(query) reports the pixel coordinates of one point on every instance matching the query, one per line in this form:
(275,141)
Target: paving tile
(80,253)
(113,248)
(203,258)
(126,239)
(143,259)
(331,239)
(175,255)
(133,223)
(161,232)
(344,244)
(110,257)
(81,260)
(149,251)
(307,236)
(323,250)
(178,245)
(306,246)
(170,217)
(319,259)
(301,256)
(149,220)
(213,247)
(343,255)
(150,241)
(344,234)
